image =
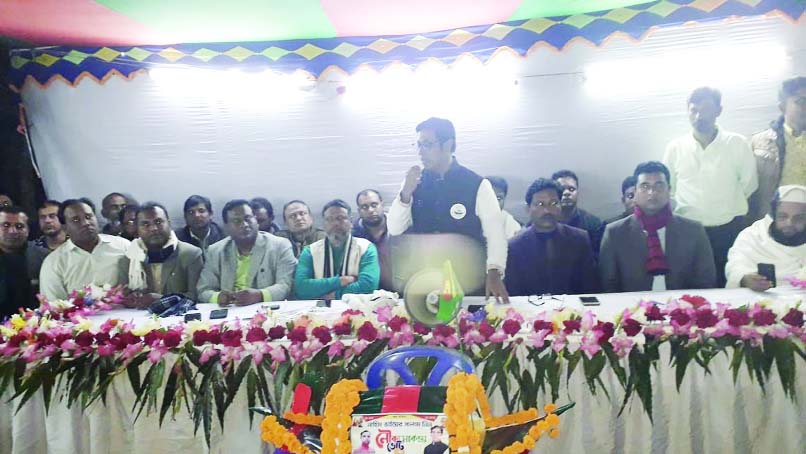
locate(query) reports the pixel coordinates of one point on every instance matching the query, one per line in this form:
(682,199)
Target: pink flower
(68,345)
(604,331)
(200,337)
(335,349)
(105,350)
(694,300)
(84,339)
(302,321)
(131,351)
(298,334)
(511,327)
(705,318)
(276,332)
(590,345)
(367,332)
(654,314)
(343,329)
(540,325)
(631,327)
(277,355)
(172,339)
(559,342)
(680,317)
(397,322)
(359,346)
(207,355)
(778,332)
(156,354)
(258,319)
(384,313)
(152,337)
(793,318)
(230,355)
(421,329)
(323,334)
(402,338)
(622,345)
(256,334)
(571,326)
(486,329)
(737,317)
(537,340)
(231,338)
(764,317)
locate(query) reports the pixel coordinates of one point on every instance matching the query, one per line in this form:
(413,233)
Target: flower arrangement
(798,280)
(201,365)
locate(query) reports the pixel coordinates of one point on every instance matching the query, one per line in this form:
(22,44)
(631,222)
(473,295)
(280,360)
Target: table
(708,415)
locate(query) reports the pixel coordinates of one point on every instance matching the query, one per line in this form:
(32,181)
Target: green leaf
(133,371)
(170,389)
(251,391)
(553,367)
(681,362)
(573,360)
(593,367)
(235,384)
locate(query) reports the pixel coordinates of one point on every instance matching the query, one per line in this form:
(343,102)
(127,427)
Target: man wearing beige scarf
(159,263)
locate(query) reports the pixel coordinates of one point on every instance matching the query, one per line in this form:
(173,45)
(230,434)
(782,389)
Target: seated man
(264,212)
(111,206)
(87,257)
(653,249)
(53,234)
(549,257)
(5,201)
(20,262)
(128,222)
(199,229)
(511,225)
(571,214)
(247,267)
(299,226)
(338,264)
(160,264)
(371,225)
(627,199)
(779,240)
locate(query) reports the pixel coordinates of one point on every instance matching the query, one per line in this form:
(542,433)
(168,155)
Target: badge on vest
(458,211)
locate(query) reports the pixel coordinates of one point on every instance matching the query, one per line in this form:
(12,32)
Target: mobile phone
(192,316)
(589,300)
(218,313)
(473,308)
(767,270)
(323,303)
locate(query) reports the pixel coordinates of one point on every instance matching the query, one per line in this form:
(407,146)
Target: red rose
(231,338)
(396,323)
(511,327)
(486,329)
(464,326)
(171,339)
(764,317)
(214,337)
(653,314)
(793,318)
(200,337)
(541,325)
(102,338)
(277,332)
(152,337)
(694,300)
(421,329)
(572,325)
(607,329)
(367,332)
(631,327)
(298,334)
(444,331)
(343,329)
(680,317)
(84,339)
(737,318)
(256,334)
(44,340)
(705,318)
(16,340)
(323,334)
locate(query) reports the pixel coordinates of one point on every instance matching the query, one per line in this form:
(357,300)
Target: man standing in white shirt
(713,174)
(87,257)
(446,197)
(501,188)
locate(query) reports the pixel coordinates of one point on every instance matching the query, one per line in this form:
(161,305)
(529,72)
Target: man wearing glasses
(549,257)
(653,249)
(446,197)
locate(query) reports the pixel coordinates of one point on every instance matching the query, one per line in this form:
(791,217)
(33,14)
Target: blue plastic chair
(396,360)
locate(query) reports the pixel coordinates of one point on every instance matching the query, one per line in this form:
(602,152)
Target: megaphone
(434,296)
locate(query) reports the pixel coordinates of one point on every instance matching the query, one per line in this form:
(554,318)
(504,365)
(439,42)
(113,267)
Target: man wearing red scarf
(653,249)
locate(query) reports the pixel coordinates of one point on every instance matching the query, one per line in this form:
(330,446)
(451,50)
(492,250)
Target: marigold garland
(305,419)
(340,401)
(273,432)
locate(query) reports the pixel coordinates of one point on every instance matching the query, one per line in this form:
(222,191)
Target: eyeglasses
(539,300)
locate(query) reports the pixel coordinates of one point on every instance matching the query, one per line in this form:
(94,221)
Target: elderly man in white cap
(778,239)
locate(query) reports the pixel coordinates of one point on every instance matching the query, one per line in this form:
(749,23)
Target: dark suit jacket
(571,269)
(180,272)
(622,259)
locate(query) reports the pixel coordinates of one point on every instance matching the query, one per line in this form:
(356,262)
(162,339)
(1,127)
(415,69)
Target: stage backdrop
(166,131)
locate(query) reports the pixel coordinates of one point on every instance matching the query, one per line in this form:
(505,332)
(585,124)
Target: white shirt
(511,225)
(487,209)
(754,245)
(711,185)
(71,268)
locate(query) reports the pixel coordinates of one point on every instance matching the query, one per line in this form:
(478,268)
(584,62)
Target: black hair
(441,429)
(149,206)
(13,209)
(366,192)
(565,173)
(49,203)
(339,203)
(196,199)
(71,202)
(231,205)
(702,93)
(113,194)
(128,209)
(260,202)
(652,167)
(499,183)
(443,129)
(541,184)
(628,182)
(285,207)
(789,87)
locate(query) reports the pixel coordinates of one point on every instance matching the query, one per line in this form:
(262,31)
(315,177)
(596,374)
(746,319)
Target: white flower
(150,325)
(196,325)
(84,324)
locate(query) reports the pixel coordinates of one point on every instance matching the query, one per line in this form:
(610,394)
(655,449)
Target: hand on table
(755,281)
(247,297)
(140,300)
(495,287)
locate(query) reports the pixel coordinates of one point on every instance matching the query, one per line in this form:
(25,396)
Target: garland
(340,401)
(459,406)
(306,420)
(273,432)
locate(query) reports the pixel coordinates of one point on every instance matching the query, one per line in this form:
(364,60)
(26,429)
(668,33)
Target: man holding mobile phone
(776,243)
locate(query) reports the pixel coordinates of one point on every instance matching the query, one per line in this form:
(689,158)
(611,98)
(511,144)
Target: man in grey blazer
(653,249)
(249,266)
(160,264)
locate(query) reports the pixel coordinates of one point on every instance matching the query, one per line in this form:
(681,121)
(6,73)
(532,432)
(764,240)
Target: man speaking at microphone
(446,197)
